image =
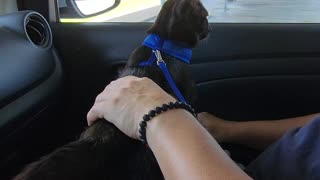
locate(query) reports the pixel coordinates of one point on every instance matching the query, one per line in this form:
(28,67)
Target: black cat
(103,151)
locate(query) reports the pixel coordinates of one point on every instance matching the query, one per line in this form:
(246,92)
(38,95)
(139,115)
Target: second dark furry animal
(104,152)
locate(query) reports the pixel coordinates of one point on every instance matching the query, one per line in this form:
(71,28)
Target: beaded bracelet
(158,110)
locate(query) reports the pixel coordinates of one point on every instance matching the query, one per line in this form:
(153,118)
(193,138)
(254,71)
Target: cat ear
(160,26)
(179,6)
(181,24)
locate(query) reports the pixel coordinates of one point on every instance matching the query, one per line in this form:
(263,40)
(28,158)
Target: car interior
(51,72)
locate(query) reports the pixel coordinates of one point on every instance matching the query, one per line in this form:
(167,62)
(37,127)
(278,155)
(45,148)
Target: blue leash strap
(162,65)
(152,59)
(171,48)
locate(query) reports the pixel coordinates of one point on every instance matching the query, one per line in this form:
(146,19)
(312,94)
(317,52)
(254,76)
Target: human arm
(183,148)
(255,134)
(193,153)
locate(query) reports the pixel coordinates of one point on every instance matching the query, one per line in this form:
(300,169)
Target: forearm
(260,134)
(185,150)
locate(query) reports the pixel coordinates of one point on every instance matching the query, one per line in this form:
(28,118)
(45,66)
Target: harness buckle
(157,53)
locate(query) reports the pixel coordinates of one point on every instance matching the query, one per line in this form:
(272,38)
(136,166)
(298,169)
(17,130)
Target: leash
(158,45)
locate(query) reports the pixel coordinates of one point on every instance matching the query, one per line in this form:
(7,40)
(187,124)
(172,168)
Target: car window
(8,6)
(222,11)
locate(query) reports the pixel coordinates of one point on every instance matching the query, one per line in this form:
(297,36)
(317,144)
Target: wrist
(229,131)
(152,103)
(164,124)
(235,131)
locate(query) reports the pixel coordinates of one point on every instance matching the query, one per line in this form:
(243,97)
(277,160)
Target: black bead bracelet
(158,110)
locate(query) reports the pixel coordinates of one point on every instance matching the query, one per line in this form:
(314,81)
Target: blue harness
(158,45)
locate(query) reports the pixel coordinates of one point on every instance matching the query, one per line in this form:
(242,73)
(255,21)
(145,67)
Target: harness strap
(158,45)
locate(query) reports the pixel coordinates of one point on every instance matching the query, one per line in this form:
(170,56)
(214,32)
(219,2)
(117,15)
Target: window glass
(223,11)
(7,6)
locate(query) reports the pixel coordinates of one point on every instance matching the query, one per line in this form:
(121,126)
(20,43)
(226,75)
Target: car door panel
(30,91)
(232,58)
(261,97)
(244,89)
(242,71)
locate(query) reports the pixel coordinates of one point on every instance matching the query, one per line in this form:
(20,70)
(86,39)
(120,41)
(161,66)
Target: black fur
(104,152)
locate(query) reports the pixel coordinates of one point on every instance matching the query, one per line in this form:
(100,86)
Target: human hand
(219,128)
(124,102)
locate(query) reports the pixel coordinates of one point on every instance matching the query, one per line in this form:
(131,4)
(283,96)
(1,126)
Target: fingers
(202,117)
(124,101)
(115,95)
(96,112)
(100,98)
(108,94)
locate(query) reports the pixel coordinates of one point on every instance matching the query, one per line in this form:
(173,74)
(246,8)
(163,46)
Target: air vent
(38,30)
